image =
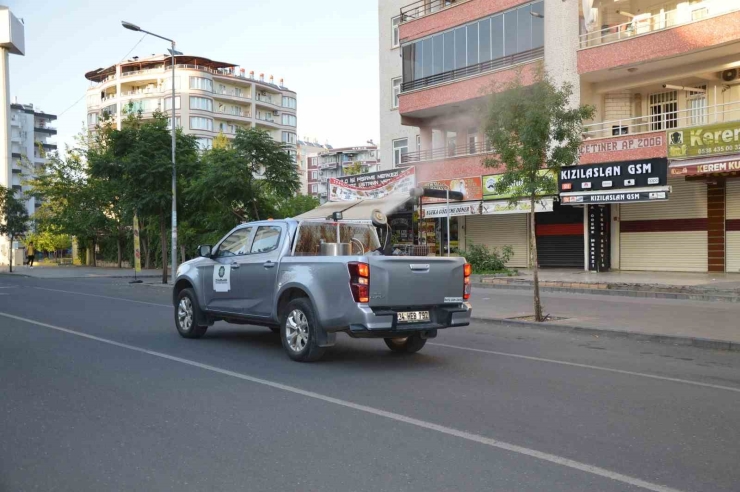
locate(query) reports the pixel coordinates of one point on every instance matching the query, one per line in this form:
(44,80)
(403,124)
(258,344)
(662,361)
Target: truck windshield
(311,234)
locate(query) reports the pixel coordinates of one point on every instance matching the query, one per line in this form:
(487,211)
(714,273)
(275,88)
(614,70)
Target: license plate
(413,316)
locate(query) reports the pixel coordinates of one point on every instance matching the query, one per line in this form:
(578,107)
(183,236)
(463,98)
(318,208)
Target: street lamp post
(173,267)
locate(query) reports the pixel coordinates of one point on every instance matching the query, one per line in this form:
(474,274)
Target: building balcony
(231,95)
(227,115)
(45,129)
(664,40)
(451,161)
(267,120)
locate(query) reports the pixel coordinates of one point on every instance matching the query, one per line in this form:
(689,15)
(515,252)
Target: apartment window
(508,33)
(289,102)
(289,137)
(204,143)
(293,155)
(110,110)
(289,120)
(472,140)
(201,83)
(198,123)
(177,122)
(697,104)
(395,36)
(201,103)
(92,119)
(396,84)
(314,189)
(418,142)
(314,175)
(168,103)
(663,110)
(400,149)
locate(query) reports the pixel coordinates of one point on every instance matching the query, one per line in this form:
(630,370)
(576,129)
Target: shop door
(560,237)
(497,231)
(732,225)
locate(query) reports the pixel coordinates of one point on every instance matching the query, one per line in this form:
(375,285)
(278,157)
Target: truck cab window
(236,244)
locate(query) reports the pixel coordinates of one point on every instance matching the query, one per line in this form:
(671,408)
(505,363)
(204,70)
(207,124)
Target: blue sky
(326,50)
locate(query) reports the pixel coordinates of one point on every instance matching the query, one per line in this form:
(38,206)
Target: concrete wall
(561,44)
(390,68)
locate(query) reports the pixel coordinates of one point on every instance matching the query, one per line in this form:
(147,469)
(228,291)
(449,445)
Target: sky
(326,50)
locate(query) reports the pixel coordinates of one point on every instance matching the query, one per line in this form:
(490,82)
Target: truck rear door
(407,281)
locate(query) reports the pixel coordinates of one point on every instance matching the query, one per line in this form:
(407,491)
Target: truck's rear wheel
(409,344)
(187,314)
(298,331)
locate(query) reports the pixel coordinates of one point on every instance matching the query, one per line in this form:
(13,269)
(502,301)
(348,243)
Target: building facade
(308,156)
(663,77)
(211,98)
(343,161)
(31,135)
(396,139)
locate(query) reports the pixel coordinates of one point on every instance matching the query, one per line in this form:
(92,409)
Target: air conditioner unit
(729,75)
(276,113)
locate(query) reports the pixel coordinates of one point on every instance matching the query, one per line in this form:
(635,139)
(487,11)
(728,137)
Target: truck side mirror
(204,250)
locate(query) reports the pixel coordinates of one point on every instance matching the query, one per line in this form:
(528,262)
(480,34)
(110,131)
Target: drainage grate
(531,318)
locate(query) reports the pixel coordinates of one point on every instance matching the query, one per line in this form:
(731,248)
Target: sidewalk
(77,272)
(665,285)
(685,322)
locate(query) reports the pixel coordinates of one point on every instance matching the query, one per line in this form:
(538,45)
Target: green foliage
(49,241)
(14,218)
(221,142)
(354,168)
(296,205)
(484,260)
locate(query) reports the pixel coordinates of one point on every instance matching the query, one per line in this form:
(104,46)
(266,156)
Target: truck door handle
(234,265)
(269,264)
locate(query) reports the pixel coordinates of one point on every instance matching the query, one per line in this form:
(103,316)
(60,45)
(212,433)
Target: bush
(484,260)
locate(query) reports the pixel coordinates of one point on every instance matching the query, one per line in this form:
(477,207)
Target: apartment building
(212,97)
(339,162)
(308,165)
(395,139)
(663,76)
(31,134)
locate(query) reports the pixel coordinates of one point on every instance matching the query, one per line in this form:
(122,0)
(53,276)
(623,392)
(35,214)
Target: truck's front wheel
(187,314)
(409,344)
(298,329)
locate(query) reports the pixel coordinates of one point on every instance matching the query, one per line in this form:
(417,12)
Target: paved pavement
(77,272)
(100,393)
(710,320)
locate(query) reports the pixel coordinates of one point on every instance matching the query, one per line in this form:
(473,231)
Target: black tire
(301,344)
(187,326)
(274,329)
(410,344)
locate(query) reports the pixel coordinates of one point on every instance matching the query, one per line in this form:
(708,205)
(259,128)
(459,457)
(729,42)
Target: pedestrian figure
(30,254)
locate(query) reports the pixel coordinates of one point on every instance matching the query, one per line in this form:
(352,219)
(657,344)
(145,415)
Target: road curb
(618,292)
(699,342)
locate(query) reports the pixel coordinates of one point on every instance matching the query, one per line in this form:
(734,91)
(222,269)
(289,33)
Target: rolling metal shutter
(497,231)
(560,237)
(732,225)
(666,236)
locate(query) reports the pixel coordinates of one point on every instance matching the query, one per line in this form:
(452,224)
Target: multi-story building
(395,139)
(663,77)
(339,162)
(211,97)
(30,134)
(308,157)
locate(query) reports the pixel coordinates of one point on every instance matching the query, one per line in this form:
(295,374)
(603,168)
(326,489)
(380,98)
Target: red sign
(700,169)
(471,188)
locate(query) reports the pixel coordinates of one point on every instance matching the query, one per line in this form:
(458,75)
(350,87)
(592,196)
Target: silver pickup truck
(310,280)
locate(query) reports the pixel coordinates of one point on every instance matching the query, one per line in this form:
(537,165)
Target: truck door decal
(221,278)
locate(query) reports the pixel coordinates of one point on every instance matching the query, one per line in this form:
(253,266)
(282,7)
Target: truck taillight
(467,287)
(359,280)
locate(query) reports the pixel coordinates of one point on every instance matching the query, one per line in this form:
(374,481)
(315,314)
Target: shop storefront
(433,226)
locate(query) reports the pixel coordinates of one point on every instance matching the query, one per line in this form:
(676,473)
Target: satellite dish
(379,219)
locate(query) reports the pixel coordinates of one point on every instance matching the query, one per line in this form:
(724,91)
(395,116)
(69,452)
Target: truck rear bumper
(375,322)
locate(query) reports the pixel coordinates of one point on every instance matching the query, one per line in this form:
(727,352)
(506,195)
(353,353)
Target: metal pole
(173,273)
(448,221)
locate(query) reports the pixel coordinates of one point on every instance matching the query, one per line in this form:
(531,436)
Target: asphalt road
(98,392)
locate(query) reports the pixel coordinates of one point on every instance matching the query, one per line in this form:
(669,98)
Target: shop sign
(621,144)
(471,188)
(614,175)
(720,138)
(489,186)
(456,209)
(599,250)
(624,197)
(522,206)
(727,166)
(371,185)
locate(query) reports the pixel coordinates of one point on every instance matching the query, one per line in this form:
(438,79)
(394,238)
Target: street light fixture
(173,52)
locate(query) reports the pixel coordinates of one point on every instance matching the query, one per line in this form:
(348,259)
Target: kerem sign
(613,175)
(721,138)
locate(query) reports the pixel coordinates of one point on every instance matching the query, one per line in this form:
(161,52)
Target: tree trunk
(119,244)
(163,240)
(533,259)
(146,251)
(182,253)
(256,213)
(92,254)
(10,255)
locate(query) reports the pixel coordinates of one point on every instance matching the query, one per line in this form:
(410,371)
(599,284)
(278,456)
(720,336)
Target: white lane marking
(588,366)
(105,297)
(558,460)
(526,357)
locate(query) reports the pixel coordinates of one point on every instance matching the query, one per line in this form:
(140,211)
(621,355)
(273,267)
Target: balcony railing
(483,67)
(231,93)
(269,120)
(239,114)
(645,23)
(665,121)
(421,8)
(447,152)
